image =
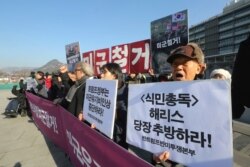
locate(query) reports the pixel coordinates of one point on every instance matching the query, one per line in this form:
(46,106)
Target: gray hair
(86,68)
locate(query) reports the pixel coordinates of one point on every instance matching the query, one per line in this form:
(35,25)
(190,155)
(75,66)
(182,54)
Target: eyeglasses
(103,71)
(77,69)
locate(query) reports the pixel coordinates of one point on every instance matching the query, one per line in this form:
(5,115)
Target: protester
(22,85)
(65,78)
(153,77)
(187,63)
(240,82)
(133,78)
(112,71)
(20,93)
(56,90)
(220,74)
(48,80)
(72,77)
(139,78)
(74,99)
(30,81)
(48,83)
(37,85)
(40,88)
(62,80)
(163,77)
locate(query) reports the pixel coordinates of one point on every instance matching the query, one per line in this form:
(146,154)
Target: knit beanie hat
(221,71)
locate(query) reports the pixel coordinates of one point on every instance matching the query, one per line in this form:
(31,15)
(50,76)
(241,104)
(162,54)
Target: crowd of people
(68,88)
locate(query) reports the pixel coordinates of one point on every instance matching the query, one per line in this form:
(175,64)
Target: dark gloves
(57,100)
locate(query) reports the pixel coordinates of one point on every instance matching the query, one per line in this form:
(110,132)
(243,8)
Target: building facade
(220,36)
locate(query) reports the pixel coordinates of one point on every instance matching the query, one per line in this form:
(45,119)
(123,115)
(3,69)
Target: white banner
(192,120)
(100,104)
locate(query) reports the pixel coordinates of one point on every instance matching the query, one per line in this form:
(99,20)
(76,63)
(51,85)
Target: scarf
(74,88)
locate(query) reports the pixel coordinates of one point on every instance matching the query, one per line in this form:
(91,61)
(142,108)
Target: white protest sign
(192,120)
(100,104)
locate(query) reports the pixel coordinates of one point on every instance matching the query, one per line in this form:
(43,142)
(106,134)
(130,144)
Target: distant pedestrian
(220,74)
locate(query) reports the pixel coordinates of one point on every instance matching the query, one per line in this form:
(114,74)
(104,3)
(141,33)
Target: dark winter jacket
(76,105)
(119,135)
(240,81)
(20,93)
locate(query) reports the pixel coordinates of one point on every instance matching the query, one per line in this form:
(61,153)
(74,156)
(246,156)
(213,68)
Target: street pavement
(245,118)
(23,145)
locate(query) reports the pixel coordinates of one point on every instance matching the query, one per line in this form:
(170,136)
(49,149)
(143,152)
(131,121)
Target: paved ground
(245,118)
(23,145)
(241,140)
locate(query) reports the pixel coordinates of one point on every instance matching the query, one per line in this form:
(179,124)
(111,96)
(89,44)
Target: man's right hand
(161,157)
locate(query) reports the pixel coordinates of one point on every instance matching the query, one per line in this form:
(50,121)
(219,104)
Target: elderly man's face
(63,69)
(78,72)
(185,69)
